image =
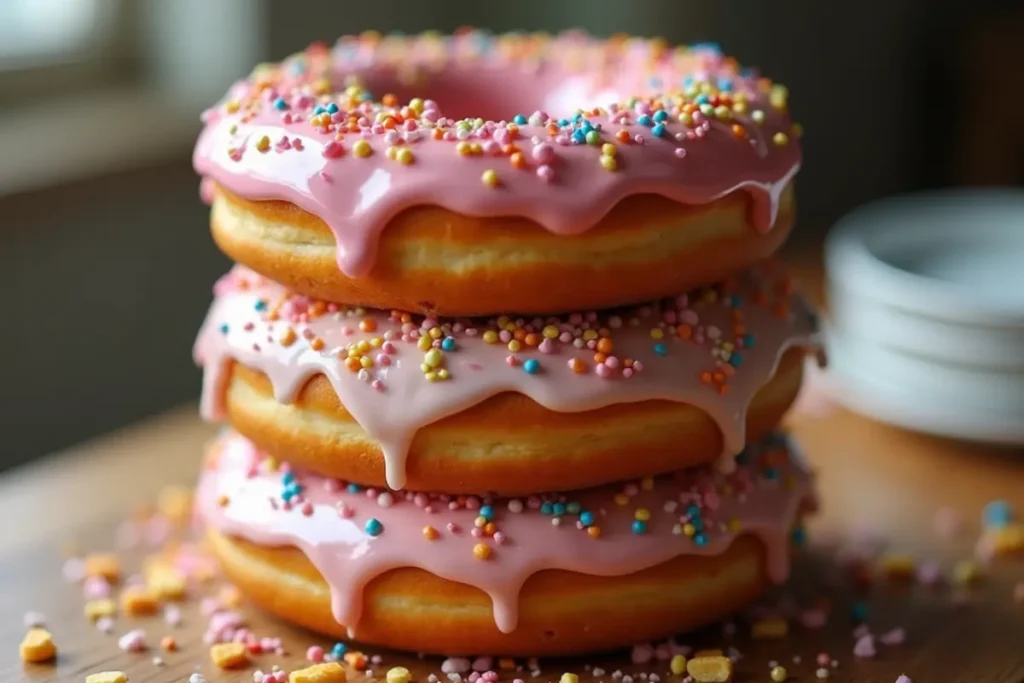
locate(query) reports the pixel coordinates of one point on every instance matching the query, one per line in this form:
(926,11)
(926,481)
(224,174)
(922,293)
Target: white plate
(927,309)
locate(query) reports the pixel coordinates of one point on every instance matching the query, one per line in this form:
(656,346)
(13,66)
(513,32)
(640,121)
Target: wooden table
(873,478)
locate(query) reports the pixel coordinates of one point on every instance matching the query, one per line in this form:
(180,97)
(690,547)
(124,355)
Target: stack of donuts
(505,352)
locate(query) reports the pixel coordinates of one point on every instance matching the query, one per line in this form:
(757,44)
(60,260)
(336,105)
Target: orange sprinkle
(481,551)
(316,344)
(622,135)
(490,528)
(600,358)
(223,500)
(604,345)
(577,366)
(519,335)
(168,644)
(684,331)
(705,377)
(368,325)
(389,100)
(513,130)
(430,533)
(229,655)
(105,566)
(594,531)
(518,160)
(353,363)
(437,134)
(357,660)
(289,337)
(738,132)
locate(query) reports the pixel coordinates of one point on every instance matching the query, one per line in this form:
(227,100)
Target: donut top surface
(554,129)
(352,534)
(396,372)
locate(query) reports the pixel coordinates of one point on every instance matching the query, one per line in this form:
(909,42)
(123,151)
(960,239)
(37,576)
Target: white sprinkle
(197,678)
(34,619)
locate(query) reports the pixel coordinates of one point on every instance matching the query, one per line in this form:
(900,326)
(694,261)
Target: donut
(658,169)
(506,404)
(546,575)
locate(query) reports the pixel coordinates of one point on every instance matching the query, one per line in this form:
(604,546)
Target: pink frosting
(711,348)
(642,524)
(724,130)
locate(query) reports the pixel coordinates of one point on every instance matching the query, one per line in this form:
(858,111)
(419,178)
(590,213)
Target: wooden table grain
(875,481)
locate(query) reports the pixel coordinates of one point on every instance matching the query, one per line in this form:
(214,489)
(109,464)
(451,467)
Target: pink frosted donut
(490,174)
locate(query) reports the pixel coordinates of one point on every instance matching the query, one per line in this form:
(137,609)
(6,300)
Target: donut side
(434,260)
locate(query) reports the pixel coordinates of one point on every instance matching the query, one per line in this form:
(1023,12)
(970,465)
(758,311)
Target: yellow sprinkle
(429,375)
(966,572)
(263,144)
(464,148)
(442,374)
(504,321)
(678,665)
(657,333)
(490,178)
(137,601)
(362,149)
(328,672)
(167,583)
(778,96)
(416,104)
(107,677)
(433,358)
(779,674)
(423,343)
(513,345)
(621,499)
(391,153)
(734,524)
(739,107)
(271,463)
(435,333)
(686,119)
(780,139)
(647,483)
(609,150)
(490,337)
(405,156)
(398,674)
(366,362)
(689,529)
(37,646)
(376,342)
(589,335)
(229,655)
(95,609)
(769,628)
(723,112)
(232,106)
(710,669)
(481,551)
(757,116)
(569,678)
(608,162)
(643,514)
(550,332)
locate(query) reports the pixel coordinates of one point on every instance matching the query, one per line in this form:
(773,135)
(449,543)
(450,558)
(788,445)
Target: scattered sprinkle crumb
(327,672)
(37,646)
(107,677)
(133,641)
(229,655)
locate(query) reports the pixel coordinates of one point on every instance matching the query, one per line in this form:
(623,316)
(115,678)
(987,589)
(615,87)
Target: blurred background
(106,262)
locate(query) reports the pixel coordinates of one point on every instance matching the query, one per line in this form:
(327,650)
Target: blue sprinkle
(573,508)
(339,649)
(332,108)
(287,495)
(655,82)
(318,109)
(487,512)
(260,305)
(698,523)
(576,118)
(562,123)
(799,536)
(448,344)
(639,527)
(658,130)
(693,510)
(224,328)
(545,508)
(280,104)
(579,136)
(687,81)
(559,509)
(706,47)
(586,518)
(519,119)
(353,488)
(531,366)
(735,301)
(725,84)
(997,514)
(735,360)
(771,473)
(859,611)
(660,349)
(700,539)
(374,527)
(288,478)
(644,120)
(660,116)
(702,99)
(748,341)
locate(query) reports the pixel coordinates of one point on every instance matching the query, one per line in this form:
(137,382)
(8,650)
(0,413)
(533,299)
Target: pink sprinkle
(903,678)
(377,384)
(133,641)
(813,618)
(456,665)
(209,605)
(315,654)
(172,615)
(546,346)
(864,647)
(603,370)
(897,636)
(823,659)
(499,537)
(454,529)
(861,631)
(96,588)
(544,153)
(225,620)
(511,361)
(680,153)
(546,173)
(641,654)
(105,625)
(73,570)
(482,664)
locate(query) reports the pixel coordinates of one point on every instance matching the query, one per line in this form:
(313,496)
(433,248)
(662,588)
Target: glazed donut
(404,571)
(676,171)
(504,405)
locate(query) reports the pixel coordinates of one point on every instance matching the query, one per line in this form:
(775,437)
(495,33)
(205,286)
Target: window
(57,46)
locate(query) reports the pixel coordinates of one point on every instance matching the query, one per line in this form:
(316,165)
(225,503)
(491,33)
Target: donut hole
(464,93)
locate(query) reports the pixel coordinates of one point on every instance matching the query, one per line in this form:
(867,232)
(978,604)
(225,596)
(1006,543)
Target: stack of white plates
(926,299)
